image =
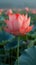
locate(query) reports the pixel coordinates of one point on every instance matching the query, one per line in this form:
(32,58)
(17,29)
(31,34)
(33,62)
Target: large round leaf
(14,44)
(28,57)
(5,37)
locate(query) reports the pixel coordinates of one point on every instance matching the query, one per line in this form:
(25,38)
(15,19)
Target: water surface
(17,3)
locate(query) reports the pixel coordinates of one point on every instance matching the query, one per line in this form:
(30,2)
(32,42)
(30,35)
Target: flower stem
(18,51)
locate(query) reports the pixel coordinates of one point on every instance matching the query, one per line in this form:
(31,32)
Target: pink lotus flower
(33,11)
(18,24)
(1,10)
(27,9)
(9,12)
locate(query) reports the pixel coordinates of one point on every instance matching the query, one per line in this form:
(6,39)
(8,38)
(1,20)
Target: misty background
(17,3)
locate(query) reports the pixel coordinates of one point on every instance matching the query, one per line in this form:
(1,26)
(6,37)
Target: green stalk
(18,50)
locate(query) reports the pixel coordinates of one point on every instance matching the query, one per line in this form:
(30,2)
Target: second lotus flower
(18,24)
(9,12)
